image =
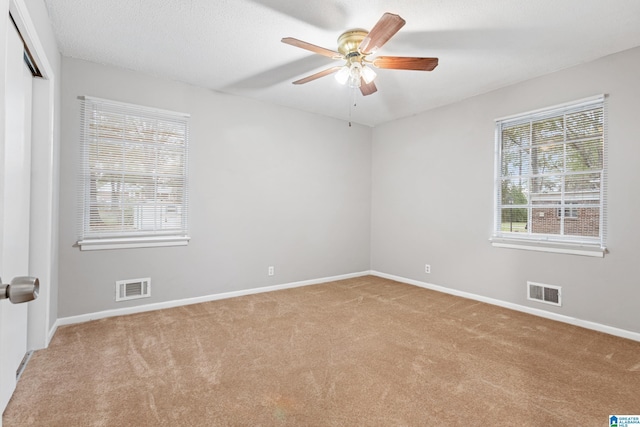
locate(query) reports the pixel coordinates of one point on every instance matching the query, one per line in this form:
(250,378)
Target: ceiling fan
(354,47)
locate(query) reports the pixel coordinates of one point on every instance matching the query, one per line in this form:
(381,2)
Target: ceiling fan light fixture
(355,72)
(368,75)
(342,76)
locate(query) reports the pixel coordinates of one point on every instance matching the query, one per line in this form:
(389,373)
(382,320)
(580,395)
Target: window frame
(556,243)
(147,235)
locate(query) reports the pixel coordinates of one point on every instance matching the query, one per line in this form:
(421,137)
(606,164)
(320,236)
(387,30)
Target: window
(569,211)
(134,176)
(550,179)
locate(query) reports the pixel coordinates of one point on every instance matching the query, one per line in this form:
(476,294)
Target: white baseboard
(187,301)
(535,311)
(52,332)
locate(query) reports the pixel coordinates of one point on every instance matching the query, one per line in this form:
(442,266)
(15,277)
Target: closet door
(15,184)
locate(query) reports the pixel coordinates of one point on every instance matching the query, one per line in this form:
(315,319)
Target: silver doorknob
(21,289)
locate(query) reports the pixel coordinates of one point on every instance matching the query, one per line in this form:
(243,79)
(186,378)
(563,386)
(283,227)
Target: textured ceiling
(233,46)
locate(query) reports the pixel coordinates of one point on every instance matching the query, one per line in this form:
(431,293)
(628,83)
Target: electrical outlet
(272,270)
(427,268)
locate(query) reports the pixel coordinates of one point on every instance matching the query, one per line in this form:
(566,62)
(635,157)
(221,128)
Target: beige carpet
(359,352)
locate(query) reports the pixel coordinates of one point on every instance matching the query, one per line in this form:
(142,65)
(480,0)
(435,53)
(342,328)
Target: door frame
(43,253)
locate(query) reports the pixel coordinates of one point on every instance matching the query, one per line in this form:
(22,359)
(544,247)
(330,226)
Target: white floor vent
(547,294)
(133,289)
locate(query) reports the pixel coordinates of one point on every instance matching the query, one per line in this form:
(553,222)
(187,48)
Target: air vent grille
(133,289)
(547,294)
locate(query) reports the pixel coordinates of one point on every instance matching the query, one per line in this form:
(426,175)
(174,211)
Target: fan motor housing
(349,41)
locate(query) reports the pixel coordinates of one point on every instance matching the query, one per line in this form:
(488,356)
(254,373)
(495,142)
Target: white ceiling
(233,46)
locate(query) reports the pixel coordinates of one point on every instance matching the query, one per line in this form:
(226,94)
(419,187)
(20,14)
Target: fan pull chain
(353,102)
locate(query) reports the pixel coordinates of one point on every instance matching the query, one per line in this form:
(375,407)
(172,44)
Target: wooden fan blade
(316,75)
(367,88)
(384,29)
(312,47)
(405,63)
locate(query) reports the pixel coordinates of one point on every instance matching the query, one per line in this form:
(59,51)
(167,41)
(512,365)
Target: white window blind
(134,174)
(551,175)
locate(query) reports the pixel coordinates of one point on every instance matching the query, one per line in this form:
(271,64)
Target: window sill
(546,246)
(132,242)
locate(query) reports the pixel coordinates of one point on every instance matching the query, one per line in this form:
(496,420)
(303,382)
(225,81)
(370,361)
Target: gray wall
(272,186)
(432,198)
(268,186)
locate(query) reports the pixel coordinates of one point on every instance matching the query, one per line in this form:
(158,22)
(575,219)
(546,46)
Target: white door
(15,172)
